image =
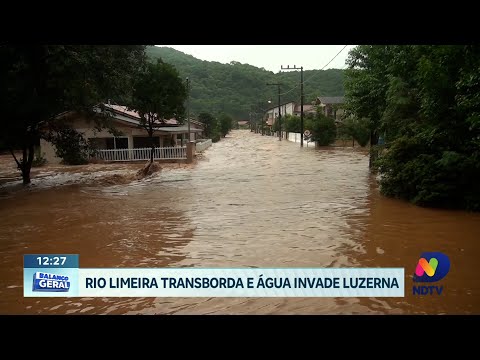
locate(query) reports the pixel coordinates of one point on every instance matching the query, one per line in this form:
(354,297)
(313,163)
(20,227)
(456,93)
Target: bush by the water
(71,146)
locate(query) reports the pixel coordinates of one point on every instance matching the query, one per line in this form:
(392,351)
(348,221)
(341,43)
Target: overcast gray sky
(271,57)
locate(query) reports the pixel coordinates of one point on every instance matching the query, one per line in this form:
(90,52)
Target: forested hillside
(235,88)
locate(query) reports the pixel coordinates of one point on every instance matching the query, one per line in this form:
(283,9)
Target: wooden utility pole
(301,98)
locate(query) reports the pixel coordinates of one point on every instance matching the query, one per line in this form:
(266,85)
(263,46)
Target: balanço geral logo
(431,267)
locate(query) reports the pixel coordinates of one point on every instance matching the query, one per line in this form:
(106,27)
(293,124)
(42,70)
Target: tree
(277,124)
(427,103)
(356,129)
(42,81)
(158,95)
(292,123)
(209,123)
(225,123)
(70,145)
(323,128)
(366,85)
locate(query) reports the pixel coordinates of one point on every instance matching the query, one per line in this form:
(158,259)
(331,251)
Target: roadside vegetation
(423,100)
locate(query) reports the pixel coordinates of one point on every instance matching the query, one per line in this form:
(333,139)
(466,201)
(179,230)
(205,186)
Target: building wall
(289,109)
(327,110)
(285,109)
(47,149)
(193,136)
(340,113)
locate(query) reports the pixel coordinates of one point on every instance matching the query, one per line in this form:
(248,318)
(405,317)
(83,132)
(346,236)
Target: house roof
(177,129)
(124,110)
(196,122)
(282,104)
(133,115)
(331,99)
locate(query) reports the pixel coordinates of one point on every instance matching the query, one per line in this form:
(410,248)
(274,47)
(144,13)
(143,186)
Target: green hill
(235,88)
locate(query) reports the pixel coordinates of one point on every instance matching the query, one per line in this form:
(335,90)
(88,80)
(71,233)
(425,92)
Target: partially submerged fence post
(190,151)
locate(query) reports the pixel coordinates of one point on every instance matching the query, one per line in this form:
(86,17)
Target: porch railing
(179,152)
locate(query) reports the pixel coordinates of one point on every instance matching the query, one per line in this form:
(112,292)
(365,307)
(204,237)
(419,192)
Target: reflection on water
(251,202)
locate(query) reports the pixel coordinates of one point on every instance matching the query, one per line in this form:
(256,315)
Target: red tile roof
(124,110)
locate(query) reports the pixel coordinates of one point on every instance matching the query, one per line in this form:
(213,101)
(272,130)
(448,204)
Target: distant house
(285,108)
(307,109)
(168,133)
(331,106)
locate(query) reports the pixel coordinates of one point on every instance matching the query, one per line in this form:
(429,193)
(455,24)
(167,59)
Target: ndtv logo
(431,267)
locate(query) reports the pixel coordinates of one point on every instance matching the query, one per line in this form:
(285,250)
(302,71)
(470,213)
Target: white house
(285,108)
(329,106)
(168,134)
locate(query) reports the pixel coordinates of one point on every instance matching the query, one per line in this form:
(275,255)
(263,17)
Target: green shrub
(71,146)
(324,130)
(39,160)
(429,178)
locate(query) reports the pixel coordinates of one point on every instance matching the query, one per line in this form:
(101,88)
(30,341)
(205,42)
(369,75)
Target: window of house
(121,143)
(98,143)
(145,142)
(110,143)
(117,143)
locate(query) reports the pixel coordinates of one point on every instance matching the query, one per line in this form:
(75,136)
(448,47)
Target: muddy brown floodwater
(252,201)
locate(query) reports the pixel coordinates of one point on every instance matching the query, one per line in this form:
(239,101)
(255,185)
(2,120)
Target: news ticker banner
(59,275)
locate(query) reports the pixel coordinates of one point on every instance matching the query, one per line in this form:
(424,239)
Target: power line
(316,73)
(344,67)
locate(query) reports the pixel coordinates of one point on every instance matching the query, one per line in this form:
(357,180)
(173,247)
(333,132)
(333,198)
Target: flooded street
(250,201)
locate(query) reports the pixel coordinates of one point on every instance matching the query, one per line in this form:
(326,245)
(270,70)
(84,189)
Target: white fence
(296,137)
(201,146)
(159,153)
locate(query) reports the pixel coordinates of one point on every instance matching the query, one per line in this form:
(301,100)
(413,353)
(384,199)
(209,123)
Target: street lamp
(263,120)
